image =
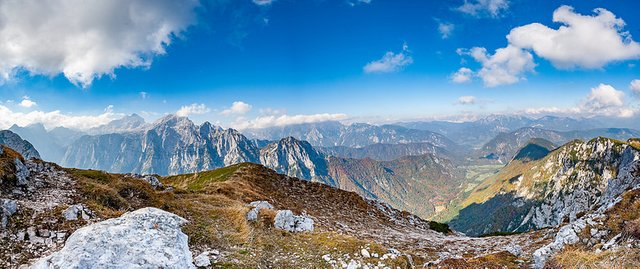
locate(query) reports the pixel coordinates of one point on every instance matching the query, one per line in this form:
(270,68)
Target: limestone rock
(77,211)
(252,215)
(145,238)
(286,220)
(22,173)
(8,207)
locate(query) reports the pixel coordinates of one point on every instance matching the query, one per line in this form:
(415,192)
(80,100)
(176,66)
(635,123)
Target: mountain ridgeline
(175,145)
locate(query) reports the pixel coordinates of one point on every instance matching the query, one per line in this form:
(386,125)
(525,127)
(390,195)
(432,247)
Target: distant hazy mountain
(505,145)
(172,145)
(51,144)
(18,144)
(330,134)
(388,152)
(479,132)
(126,124)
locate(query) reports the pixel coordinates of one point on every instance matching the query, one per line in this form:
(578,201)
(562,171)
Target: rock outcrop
(15,142)
(8,207)
(145,238)
(286,220)
(256,206)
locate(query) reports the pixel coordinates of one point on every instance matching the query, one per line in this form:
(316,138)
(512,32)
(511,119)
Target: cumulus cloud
(506,66)
(602,100)
(390,62)
(237,108)
(634,86)
(582,41)
(27,102)
(462,75)
(467,100)
(192,109)
(85,40)
(55,118)
(283,120)
(480,8)
(445,29)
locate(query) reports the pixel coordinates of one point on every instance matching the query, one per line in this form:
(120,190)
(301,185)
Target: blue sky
(284,58)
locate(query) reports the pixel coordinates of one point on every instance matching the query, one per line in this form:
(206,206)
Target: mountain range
(175,145)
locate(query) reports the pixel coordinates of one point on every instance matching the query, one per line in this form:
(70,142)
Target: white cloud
(55,118)
(263,2)
(603,100)
(237,108)
(283,120)
(27,102)
(505,66)
(634,86)
(144,95)
(582,41)
(445,29)
(390,62)
(467,100)
(479,8)
(85,40)
(462,75)
(192,109)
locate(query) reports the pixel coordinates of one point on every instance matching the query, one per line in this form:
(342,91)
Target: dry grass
(571,258)
(498,260)
(625,216)
(7,165)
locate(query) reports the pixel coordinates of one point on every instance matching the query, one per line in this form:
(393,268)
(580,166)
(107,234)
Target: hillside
(570,181)
(347,229)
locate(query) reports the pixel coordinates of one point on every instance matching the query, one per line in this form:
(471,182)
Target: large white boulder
(145,238)
(286,220)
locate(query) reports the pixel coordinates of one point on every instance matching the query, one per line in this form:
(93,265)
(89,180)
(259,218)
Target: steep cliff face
(296,158)
(18,144)
(172,145)
(570,181)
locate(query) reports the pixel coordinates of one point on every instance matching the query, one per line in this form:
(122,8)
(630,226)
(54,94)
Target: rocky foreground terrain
(248,216)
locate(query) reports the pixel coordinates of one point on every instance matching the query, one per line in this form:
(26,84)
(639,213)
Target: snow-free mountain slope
(15,142)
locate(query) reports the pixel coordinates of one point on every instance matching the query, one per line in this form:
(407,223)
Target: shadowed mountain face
(536,149)
(16,143)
